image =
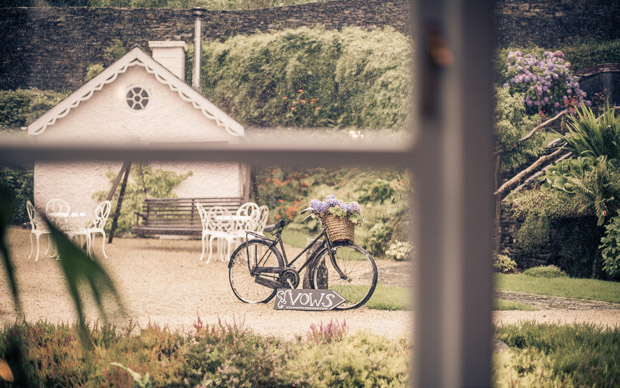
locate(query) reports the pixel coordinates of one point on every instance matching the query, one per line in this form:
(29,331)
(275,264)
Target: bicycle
(257,268)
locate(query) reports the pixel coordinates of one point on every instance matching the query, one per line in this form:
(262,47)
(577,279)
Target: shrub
(22,106)
(549,271)
(360,360)
(610,247)
(545,80)
(511,124)
(503,263)
(325,334)
(378,242)
(534,233)
(20,182)
(400,250)
(579,355)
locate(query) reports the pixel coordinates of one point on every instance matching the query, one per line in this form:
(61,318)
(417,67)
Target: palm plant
(589,135)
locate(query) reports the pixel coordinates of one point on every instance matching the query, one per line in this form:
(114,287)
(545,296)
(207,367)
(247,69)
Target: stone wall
(548,23)
(50,48)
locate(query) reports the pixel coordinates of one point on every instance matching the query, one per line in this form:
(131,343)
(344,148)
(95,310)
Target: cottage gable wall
(106,118)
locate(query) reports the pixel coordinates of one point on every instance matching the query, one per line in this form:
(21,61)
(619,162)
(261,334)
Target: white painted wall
(106,118)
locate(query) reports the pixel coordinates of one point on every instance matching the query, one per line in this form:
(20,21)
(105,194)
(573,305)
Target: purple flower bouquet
(332,205)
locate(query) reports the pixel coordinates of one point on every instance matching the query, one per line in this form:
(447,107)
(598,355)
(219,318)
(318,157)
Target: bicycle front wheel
(244,282)
(351,272)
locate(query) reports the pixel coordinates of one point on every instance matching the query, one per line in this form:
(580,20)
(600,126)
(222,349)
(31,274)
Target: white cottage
(137,100)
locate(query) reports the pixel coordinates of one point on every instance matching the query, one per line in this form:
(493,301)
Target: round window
(137,98)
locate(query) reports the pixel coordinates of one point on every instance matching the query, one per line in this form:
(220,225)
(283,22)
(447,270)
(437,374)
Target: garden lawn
(592,289)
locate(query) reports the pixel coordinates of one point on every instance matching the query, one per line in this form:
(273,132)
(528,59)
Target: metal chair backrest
(248,216)
(35,221)
(264,216)
(57,205)
(102,212)
(219,219)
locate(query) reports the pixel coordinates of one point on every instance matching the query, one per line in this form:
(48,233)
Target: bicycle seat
(277,227)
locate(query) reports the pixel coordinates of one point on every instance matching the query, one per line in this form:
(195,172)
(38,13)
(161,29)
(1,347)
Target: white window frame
(453,209)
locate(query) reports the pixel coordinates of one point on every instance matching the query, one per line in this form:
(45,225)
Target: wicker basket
(338,229)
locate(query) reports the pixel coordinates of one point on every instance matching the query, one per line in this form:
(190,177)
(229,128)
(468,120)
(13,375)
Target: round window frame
(131,89)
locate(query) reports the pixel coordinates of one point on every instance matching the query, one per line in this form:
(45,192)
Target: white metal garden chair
(246,219)
(206,232)
(262,222)
(72,223)
(102,212)
(38,229)
(220,225)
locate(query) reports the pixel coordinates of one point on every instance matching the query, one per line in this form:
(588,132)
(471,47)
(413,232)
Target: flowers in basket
(332,205)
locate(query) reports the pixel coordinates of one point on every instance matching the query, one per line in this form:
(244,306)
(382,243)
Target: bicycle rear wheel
(352,273)
(246,258)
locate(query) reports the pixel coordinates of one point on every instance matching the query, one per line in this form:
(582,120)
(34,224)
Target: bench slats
(177,216)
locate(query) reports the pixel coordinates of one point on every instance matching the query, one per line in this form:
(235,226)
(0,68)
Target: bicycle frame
(282,250)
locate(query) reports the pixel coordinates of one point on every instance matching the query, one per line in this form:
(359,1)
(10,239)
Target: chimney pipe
(197,12)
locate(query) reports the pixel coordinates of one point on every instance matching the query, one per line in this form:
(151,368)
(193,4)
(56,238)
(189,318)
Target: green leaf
(78,268)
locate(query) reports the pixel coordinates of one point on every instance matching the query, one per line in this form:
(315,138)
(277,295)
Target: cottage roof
(136,57)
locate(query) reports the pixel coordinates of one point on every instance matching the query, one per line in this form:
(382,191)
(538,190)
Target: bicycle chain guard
(289,278)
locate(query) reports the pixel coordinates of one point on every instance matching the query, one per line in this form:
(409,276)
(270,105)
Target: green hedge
(22,106)
(312,78)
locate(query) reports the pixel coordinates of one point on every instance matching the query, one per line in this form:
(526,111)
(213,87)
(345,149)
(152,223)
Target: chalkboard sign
(307,299)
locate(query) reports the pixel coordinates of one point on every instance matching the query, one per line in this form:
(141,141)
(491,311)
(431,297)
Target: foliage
(144,182)
(545,80)
(111,53)
(587,54)
(593,136)
(595,183)
(534,233)
(558,355)
(511,124)
(328,333)
(400,250)
(358,78)
(379,239)
(18,181)
(547,271)
(610,247)
(503,263)
(92,71)
(22,106)
(332,205)
(606,291)
(360,360)
(221,354)
(286,191)
(555,204)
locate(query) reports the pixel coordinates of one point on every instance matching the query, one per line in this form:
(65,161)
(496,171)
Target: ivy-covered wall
(50,48)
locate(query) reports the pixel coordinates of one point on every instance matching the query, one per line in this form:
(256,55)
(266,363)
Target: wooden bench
(177,216)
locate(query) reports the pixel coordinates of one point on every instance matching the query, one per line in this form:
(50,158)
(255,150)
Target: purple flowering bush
(332,205)
(545,80)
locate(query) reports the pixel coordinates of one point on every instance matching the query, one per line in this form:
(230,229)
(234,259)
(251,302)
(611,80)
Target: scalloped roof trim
(136,57)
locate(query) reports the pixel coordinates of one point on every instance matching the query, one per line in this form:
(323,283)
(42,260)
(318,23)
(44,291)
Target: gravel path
(163,282)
